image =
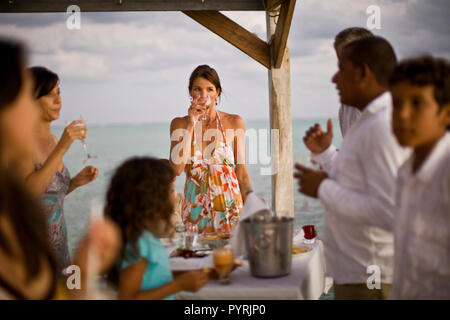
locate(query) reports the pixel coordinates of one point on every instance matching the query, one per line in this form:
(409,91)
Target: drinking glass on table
(83,143)
(223,263)
(192,235)
(180,229)
(310,234)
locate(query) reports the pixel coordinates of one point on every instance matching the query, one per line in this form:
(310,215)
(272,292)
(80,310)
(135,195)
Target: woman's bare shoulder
(234,120)
(178,122)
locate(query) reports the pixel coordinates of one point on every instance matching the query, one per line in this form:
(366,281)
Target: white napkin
(299,236)
(252,204)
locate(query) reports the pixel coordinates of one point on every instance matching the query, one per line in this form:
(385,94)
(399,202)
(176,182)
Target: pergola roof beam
(230,31)
(282,31)
(130,5)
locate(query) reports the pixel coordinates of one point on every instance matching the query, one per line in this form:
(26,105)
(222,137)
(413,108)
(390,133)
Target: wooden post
(280,119)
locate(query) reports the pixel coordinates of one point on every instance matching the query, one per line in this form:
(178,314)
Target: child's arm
(131,279)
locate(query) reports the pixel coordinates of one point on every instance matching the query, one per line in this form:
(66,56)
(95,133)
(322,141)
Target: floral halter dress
(213,200)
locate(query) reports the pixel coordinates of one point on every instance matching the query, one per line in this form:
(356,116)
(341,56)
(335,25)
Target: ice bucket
(268,240)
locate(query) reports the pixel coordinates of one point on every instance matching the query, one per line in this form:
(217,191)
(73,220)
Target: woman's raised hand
(195,110)
(85,176)
(72,132)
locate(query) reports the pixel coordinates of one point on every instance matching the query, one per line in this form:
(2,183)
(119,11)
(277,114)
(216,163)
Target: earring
(216,103)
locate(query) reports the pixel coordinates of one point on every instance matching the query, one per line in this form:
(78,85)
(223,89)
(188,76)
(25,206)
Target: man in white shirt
(420,90)
(347,114)
(358,190)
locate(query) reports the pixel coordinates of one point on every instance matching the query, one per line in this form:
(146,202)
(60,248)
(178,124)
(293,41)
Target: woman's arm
(181,130)
(245,184)
(38,180)
(131,279)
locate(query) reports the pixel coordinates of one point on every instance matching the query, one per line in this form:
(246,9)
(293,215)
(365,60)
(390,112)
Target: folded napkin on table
(252,204)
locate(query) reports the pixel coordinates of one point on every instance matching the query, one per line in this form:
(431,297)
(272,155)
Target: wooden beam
(130,5)
(272,4)
(241,38)
(281,120)
(282,31)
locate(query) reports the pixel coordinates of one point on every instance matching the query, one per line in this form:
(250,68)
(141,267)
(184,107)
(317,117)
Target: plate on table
(188,253)
(301,250)
(214,240)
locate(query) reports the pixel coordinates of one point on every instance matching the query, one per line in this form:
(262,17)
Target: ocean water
(113,144)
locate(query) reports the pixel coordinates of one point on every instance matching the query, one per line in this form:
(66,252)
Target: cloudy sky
(134,67)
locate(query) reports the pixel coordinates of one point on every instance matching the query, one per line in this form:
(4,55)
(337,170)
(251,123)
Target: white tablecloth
(306,281)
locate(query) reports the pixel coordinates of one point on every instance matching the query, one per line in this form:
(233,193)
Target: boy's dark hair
(423,71)
(375,52)
(351,34)
(138,200)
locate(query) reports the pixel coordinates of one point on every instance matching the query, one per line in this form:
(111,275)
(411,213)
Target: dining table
(307,279)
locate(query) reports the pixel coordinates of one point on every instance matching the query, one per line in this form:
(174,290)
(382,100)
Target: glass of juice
(223,263)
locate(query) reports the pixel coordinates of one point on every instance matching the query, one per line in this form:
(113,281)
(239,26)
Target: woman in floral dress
(209,145)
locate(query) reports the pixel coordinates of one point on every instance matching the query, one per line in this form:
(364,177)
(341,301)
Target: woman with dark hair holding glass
(28,268)
(45,172)
(217,180)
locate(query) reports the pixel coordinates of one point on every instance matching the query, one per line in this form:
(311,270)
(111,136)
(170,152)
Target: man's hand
(309,180)
(318,141)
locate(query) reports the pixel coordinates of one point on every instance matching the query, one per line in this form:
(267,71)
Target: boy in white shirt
(420,90)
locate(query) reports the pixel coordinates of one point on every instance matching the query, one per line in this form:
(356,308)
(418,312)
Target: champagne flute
(205,116)
(83,143)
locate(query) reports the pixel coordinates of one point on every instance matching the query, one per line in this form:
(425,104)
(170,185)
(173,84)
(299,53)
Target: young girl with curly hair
(140,200)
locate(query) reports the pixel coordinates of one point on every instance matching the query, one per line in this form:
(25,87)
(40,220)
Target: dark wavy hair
(44,81)
(138,199)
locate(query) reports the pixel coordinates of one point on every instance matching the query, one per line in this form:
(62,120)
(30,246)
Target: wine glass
(192,235)
(83,143)
(205,116)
